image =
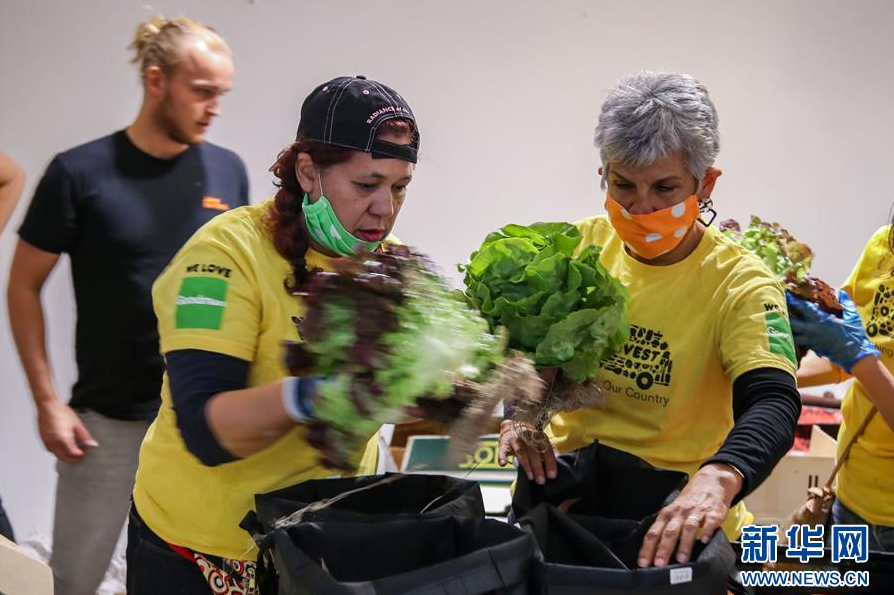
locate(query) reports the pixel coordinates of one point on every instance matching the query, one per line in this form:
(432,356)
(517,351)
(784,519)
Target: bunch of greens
(384,331)
(786,257)
(561,310)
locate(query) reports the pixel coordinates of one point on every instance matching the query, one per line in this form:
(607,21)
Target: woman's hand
(842,340)
(538,466)
(703,504)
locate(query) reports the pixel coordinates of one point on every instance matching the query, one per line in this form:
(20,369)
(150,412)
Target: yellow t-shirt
(695,326)
(866,480)
(223,292)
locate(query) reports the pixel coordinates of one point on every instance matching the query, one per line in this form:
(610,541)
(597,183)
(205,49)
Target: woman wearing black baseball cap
(231,423)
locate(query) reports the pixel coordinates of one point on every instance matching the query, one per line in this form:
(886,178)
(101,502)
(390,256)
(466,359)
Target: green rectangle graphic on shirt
(779,334)
(201,302)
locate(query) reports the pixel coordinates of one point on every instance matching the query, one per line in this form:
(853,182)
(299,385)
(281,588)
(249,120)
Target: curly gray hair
(651,114)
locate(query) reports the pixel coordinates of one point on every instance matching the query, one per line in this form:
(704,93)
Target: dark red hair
(284,220)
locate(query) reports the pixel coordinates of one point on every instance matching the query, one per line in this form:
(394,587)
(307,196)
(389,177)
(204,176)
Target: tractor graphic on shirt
(645,359)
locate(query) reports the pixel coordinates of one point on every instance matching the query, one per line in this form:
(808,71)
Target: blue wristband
(297,398)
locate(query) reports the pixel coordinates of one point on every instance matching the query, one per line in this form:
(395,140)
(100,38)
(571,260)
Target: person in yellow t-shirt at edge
(231,423)
(865,491)
(706,383)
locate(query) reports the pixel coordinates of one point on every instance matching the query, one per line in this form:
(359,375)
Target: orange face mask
(651,235)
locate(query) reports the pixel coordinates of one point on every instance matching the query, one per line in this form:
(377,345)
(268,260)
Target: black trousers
(154,568)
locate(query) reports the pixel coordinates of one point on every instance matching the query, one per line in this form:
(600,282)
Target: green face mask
(327,231)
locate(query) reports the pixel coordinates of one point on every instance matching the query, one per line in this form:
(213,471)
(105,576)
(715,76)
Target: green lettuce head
(561,310)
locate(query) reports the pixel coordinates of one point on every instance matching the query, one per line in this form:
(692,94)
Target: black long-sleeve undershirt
(766,407)
(194,377)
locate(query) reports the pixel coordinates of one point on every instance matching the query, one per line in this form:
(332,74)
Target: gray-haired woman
(706,383)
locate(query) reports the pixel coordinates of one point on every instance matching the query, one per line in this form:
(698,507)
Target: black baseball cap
(347,111)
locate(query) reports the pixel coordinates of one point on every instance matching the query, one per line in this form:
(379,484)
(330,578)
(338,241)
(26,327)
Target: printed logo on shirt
(779,336)
(212,202)
(645,358)
(881,317)
(201,302)
(209,268)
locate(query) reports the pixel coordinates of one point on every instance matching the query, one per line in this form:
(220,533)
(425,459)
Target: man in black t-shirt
(120,207)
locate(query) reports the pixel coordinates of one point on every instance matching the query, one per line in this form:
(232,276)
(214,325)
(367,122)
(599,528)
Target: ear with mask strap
(706,204)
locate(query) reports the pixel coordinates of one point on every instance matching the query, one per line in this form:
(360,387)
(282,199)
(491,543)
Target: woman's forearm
(815,370)
(766,405)
(248,420)
(879,385)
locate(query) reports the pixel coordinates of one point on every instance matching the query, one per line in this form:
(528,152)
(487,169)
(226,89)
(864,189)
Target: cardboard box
(21,574)
(786,489)
(393,439)
(427,454)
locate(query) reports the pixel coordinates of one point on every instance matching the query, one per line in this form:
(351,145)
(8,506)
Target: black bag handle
(252,524)
(265,571)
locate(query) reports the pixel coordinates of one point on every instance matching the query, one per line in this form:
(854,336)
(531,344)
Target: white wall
(506,94)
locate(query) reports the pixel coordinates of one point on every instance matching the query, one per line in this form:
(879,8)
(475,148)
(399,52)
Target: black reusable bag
(597,556)
(601,480)
(428,495)
(608,500)
(421,556)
